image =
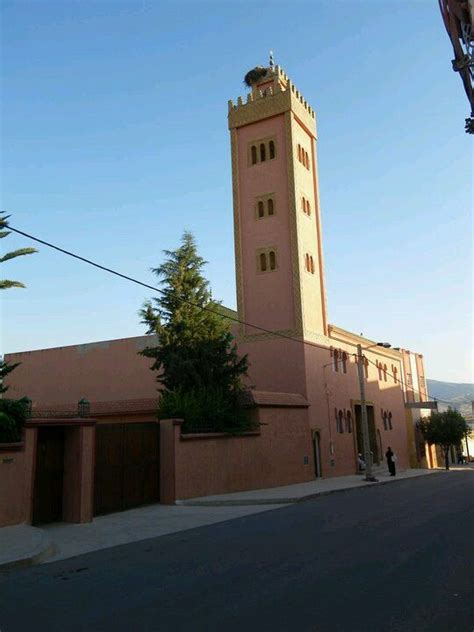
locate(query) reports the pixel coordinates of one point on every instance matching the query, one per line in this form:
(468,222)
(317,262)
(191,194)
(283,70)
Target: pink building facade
(303,370)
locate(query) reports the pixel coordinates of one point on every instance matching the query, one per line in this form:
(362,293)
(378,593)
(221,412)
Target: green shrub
(13,414)
(204,410)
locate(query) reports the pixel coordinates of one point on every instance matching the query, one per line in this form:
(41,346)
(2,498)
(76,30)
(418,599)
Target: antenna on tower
(271,61)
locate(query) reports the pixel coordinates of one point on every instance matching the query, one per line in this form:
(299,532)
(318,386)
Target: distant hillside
(459,396)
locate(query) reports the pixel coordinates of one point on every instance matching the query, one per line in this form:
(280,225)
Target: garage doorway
(127,468)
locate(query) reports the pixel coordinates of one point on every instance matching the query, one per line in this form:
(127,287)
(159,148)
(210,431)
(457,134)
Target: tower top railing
(273,83)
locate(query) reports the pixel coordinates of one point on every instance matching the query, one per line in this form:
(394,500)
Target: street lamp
(369,477)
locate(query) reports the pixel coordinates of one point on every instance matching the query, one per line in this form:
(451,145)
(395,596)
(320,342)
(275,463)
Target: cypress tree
(196,360)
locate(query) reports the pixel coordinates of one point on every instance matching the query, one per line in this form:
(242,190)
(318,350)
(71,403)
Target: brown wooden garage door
(127,472)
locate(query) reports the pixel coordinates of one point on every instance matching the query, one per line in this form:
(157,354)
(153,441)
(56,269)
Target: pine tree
(197,362)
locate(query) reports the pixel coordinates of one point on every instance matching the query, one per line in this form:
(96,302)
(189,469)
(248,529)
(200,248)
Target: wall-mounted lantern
(28,406)
(84,408)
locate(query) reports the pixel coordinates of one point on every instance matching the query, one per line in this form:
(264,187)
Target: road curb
(41,548)
(288,500)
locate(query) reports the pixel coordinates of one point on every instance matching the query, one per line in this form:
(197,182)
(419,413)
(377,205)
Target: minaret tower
(278,250)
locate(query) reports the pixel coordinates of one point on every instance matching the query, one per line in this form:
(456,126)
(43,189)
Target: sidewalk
(301,491)
(23,545)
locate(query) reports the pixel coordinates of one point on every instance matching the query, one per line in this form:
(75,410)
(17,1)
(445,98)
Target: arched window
(336,360)
(340,416)
(390,421)
(270,206)
(384,372)
(254,155)
(308,208)
(311,265)
(263,262)
(348,421)
(344,361)
(271,149)
(263,152)
(272,258)
(261,210)
(299,153)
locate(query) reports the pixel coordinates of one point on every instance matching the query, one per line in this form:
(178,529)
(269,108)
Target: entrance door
(317,454)
(372,434)
(48,490)
(127,466)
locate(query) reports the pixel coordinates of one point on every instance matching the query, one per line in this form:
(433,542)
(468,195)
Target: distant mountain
(459,396)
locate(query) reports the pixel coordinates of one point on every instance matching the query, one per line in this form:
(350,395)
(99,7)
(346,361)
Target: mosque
(113,453)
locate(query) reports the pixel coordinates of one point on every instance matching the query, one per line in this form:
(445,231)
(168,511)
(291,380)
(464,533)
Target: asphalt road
(392,557)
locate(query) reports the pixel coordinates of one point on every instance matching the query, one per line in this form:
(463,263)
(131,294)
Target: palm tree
(5,284)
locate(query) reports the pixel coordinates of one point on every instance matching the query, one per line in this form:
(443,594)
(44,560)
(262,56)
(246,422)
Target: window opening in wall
(303,204)
(385,421)
(336,360)
(270,206)
(349,421)
(379,367)
(340,422)
(384,372)
(366,367)
(254,154)
(308,208)
(394,371)
(390,421)
(272,257)
(344,362)
(271,149)
(299,153)
(263,262)
(261,211)
(311,264)
(263,153)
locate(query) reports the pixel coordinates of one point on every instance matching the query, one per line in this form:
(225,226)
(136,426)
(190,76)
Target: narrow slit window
(303,204)
(349,421)
(366,367)
(272,258)
(299,153)
(384,372)
(254,154)
(390,421)
(385,421)
(344,362)
(263,152)
(263,262)
(306,261)
(341,422)
(270,206)
(308,208)
(261,210)
(336,360)
(271,149)
(311,265)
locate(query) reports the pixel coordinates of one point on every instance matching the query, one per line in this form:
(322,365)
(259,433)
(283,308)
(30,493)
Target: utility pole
(363,415)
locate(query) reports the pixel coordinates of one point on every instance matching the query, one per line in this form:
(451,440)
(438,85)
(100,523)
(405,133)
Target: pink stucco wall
(101,371)
(204,465)
(16,481)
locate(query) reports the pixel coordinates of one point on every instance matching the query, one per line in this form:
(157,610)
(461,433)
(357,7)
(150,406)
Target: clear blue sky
(115,140)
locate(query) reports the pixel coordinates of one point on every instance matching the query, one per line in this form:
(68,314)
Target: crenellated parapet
(272,94)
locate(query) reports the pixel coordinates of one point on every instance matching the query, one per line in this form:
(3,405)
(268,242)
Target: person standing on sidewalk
(390,456)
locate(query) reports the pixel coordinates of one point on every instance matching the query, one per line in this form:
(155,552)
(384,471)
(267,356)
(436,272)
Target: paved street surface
(389,558)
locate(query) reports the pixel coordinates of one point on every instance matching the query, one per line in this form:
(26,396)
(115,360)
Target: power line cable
(207,309)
